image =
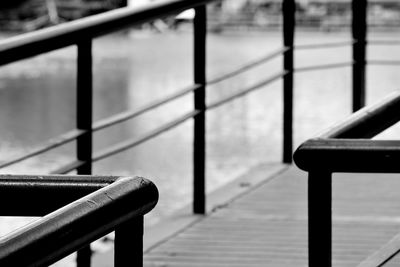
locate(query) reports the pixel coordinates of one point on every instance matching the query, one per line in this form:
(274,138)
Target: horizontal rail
(110,121)
(67,229)
(127,144)
(368,121)
(349,155)
(248,66)
(68,167)
(122,146)
(384,254)
(40,189)
(323,66)
(63,35)
(384,42)
(124,116)
(51,144)
(71,136)
(384,62)
(246,91)
(337,150)
(324,45)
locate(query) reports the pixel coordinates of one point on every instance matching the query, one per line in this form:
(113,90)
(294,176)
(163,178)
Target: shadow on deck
(267,224)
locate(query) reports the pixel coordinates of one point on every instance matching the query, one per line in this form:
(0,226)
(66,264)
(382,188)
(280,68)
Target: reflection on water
(37,102)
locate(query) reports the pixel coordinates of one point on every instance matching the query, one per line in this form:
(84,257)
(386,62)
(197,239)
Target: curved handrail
(113,202)
(342,149)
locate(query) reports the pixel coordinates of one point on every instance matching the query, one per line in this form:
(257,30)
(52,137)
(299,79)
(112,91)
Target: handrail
(369,121)
(324,45)
(52,38)
(130,114)
(105,204)
(248,90)
(49,145)
(384,42)
(349,155)
(384,254)
(323,66)
(340,149)
(384,62)
(250,65)
(82,32)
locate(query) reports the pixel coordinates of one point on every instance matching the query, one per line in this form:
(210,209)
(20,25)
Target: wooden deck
(267,226)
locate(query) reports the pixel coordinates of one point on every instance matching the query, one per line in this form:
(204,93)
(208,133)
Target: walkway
(267,226)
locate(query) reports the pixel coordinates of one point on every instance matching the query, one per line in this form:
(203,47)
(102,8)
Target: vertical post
(84,110)
(199,146)
(288,9)
(320,218)
(128,245)
(359,32)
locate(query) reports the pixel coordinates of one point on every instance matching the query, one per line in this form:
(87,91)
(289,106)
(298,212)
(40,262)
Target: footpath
(263,222)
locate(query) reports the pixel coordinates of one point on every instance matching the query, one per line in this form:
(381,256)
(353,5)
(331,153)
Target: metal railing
(82,32)
(80,210)
(345,148)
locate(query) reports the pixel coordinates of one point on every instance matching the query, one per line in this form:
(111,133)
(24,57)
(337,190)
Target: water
(37,102)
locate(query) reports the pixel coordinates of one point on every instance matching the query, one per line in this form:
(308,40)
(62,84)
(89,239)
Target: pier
(262,221)
(340,210)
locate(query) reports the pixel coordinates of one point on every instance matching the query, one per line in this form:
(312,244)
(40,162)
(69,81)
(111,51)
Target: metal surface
(384,62)
(199,131)
(288,9)
(338,150)
(67,229)
(68,167)
(324,45)
(124,145)
(130,114)
(359,33)
(51,144)
(248,66)
(245,91)
(369,121)
(84,106)
(18,189)
(84,220)
(42,41)
(84,112)
(349,155)
(320,218)
(384,42)
(323,66)
(128,243)
(384,254)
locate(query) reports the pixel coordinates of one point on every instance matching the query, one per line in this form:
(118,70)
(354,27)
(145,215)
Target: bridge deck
(267,226)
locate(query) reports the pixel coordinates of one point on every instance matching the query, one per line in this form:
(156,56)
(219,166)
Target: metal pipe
(199,131)
(67,229)
(128,243)
(288,9)
(52,38)
(368,121)
(319,218)
(359,32)
(84,106)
